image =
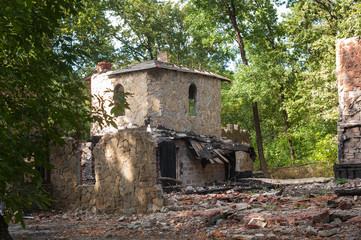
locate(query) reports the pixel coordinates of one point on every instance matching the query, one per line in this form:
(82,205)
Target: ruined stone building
(171,135)
(348,60)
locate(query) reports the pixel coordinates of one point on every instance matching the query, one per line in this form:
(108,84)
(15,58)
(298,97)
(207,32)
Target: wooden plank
(218,160)
(217,151)
(201,149)
(170,179)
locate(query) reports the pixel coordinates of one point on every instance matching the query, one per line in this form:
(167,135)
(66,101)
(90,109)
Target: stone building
(163,94)
(171,135)
(348,60)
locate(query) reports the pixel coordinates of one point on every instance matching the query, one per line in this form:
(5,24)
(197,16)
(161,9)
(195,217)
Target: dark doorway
(230,170)
(167,161)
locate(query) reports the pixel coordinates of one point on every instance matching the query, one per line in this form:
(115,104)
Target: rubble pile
(298,211)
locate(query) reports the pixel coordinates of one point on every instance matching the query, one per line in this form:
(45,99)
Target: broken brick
(321,217)
(251,226)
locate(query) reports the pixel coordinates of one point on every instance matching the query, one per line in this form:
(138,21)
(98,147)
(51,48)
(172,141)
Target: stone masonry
(160,98)
(134,83)
(170,135)
(170,89)
(348,60)
(125,175)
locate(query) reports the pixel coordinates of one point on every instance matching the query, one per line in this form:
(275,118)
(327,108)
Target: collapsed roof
(214,149)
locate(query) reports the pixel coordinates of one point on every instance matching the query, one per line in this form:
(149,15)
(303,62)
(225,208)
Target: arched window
(192,100)
(118,95)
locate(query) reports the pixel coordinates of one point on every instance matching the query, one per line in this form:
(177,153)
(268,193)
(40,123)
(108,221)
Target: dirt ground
(296,209)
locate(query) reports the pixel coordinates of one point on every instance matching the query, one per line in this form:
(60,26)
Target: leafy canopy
(40,44)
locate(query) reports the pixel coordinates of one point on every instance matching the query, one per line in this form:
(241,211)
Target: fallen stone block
(341,214)
(260,221)
(327,233)
(345,203)
(323,217)
(242,237)
(354,221)
(309,231)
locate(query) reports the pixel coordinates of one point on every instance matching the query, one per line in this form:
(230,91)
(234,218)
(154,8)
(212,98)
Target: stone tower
(348,61)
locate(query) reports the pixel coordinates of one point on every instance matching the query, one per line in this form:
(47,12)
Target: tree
(268,82)
(87,37)
(312,29)
(147,27)
(239,18)
(41,99)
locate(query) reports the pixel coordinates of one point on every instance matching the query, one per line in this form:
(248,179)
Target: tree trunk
(4,232)
(231,11)
(290,146)
(285,118)
(257,128)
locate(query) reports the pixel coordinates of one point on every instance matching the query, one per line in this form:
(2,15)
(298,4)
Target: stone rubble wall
(125,175)
(168,102)
(134,83)
(64,178)
(244,162)
(233,132)
(190,170)
(348,60)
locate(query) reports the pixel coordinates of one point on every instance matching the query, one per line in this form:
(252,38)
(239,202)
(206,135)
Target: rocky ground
(273,210)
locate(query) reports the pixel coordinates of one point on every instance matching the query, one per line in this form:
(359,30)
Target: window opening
(118,95)
(192,100)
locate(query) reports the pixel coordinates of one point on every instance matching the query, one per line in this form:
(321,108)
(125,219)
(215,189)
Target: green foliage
(292,72)
(341,180)
(266,80)
(326,150)
(191,111)
(119,103)
(312,28)
(209,45)
(33,95)
(147,27)
(272,207)
(42,99)
(86,37)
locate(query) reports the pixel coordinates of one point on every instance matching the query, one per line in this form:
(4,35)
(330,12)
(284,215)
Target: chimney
(104,67)
(162,56)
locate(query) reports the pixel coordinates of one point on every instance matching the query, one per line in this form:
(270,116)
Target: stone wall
(244,163)
(125,175)
(348,60)
(65,177)
(168,102)
(233,132)
(162,97)
(190,170)
(134,83)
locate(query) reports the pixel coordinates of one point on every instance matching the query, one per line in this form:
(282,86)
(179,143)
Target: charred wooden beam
(170,179)
(348,192)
